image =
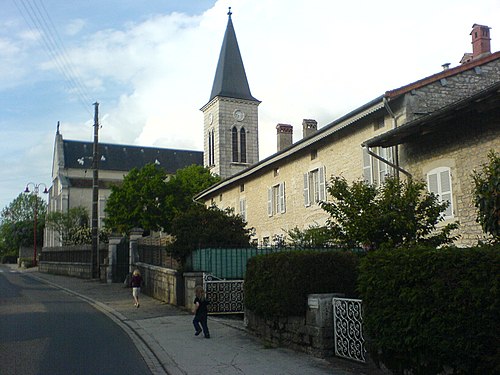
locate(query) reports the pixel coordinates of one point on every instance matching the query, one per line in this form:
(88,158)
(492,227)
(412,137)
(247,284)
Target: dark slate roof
(230,77)
(78,155)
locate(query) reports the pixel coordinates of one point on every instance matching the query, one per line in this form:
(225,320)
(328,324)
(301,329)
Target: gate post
(112,248)
(134,235)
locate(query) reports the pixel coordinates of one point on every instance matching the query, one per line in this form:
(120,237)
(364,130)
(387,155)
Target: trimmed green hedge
(278,284)
(426,308)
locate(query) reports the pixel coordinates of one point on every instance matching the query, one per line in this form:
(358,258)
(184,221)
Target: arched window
(211,148)
(243,145)
(234,142)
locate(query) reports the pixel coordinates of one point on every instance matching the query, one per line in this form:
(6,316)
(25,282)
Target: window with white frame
(439,183)
(314,186)
(375,171)
(276,199)
(243,209)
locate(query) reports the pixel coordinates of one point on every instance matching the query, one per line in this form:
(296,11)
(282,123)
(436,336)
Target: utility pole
(95,198)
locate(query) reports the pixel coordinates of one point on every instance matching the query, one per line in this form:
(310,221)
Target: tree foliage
(138,201)
(487,195)
(18,221)
(315,236)
(67,224)
(150,199)
(395,214)
(202,227)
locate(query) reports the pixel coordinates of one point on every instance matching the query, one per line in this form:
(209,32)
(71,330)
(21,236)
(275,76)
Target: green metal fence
(232,263)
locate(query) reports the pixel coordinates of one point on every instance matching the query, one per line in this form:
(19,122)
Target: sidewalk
(164,335)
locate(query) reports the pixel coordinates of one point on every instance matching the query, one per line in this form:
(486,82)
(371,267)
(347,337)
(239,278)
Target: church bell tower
(231,115)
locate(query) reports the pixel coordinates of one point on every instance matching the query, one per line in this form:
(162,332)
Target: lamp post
(35,192)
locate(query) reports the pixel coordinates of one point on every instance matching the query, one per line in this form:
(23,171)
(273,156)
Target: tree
(315,236)
(150,199)
(487,195)
(183,186)
(396,214)
(69,224)
(138,201)
(17,222)
(202,227)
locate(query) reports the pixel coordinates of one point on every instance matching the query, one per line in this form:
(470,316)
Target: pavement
(164,335)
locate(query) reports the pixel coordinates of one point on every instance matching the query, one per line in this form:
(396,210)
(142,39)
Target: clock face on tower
(238,115)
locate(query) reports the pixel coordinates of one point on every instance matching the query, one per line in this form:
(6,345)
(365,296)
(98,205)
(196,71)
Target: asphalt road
(44,330)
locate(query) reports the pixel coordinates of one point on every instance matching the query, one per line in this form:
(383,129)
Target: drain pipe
(395,166)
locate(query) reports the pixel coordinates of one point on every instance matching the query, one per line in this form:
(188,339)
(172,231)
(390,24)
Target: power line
(40,22)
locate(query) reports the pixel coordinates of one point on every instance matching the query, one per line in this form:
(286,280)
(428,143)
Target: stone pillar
(112,248)
(134,235)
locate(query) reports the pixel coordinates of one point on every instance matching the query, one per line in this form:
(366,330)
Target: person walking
(200,310)
(136,283)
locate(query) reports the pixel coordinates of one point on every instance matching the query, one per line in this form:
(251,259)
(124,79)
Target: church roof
(116,157)
(230,77)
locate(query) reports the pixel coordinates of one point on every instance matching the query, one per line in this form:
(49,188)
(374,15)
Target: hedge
(278,284)
(428,309)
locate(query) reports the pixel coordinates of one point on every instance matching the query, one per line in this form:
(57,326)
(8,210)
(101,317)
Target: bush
(427,308)
(278,284)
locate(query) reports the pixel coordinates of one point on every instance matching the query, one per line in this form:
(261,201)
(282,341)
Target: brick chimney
(309,127)
(284,135)
(480,43)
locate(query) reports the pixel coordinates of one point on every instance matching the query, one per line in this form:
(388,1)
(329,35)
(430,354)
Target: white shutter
(270,201)
(445,181)
(367,166)
(307,199)
(243,209)
(439,183)
(282,197)
(322,184)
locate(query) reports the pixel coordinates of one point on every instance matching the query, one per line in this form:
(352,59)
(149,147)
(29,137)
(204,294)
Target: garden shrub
(426,309)
(278,284)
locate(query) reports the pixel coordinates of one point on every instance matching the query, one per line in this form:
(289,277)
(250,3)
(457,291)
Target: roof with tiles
(78,155)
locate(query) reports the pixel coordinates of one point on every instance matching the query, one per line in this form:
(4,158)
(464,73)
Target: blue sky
(150,64)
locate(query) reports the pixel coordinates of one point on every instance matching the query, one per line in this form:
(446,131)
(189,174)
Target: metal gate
(348,329)
(121,268)
(225,296)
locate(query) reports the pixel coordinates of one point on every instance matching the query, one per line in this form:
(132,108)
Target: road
(44,330)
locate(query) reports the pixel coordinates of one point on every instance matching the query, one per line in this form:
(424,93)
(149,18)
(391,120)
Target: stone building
(72,173)
(437,129)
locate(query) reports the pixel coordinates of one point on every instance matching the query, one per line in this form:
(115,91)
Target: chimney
(480,41)
(309,127)
(285,135)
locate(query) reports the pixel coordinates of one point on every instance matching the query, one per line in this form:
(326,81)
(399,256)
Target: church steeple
(230,77)
(231,119)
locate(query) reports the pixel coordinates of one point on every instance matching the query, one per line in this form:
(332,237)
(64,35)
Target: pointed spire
(230,77)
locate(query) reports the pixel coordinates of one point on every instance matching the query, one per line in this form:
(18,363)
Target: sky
(151,64)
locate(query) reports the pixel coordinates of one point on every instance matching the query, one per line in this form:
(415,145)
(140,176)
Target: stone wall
(163,284)
(312,333)
(80,270)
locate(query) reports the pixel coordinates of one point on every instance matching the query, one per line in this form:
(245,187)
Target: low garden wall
(164,284)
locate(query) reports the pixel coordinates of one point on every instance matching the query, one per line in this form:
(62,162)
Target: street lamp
(35,192)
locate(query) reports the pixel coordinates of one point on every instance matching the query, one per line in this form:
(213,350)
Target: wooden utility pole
(95,197)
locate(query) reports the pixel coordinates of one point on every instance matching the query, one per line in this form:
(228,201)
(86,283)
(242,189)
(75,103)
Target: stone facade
(221,115)
(271,195)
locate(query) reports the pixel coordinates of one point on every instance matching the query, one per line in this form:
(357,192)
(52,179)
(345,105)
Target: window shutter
(270,202)
(445,180)
(282,197)
(243,209)
(307,199)
(322,184)
(367,166)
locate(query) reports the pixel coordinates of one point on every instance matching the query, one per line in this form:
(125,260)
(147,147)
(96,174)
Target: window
(242,188)
(375,171)
(314,154)
(379,123)
(234,142)
(276,199)
(211,148)
(243,145)
(314,186)
(243,209)
(439,183)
